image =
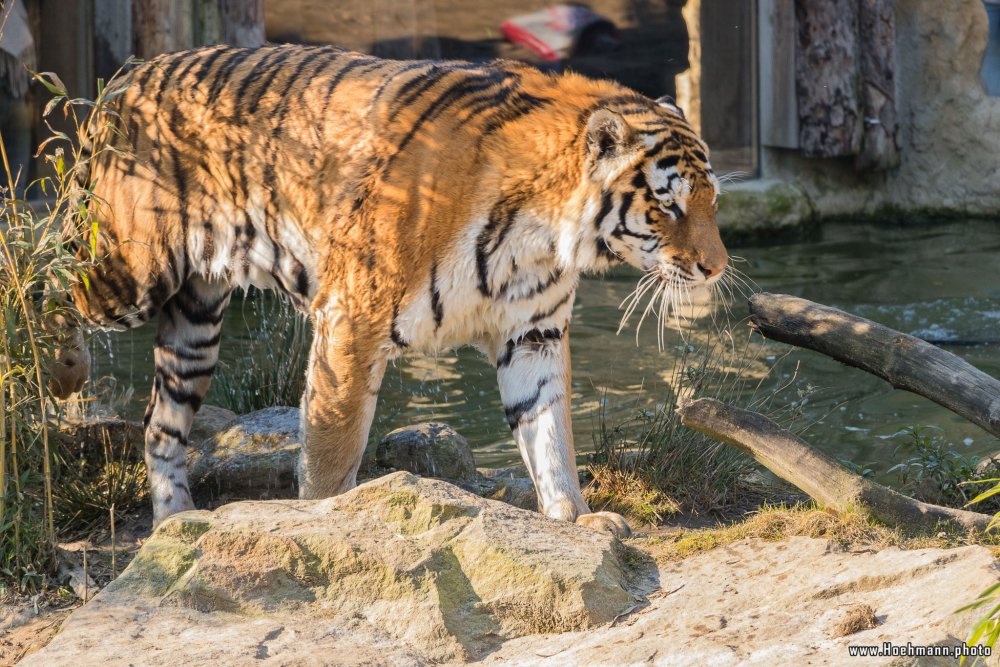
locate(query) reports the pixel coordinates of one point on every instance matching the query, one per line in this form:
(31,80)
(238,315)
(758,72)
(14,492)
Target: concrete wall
(949,130)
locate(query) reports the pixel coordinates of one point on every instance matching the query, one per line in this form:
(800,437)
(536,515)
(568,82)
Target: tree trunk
(879,150)
(242,22)
(158,26)
(826,73)
(818,475)
(906,362)
(112,35)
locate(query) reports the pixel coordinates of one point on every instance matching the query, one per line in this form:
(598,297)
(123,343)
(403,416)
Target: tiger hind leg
(187,349)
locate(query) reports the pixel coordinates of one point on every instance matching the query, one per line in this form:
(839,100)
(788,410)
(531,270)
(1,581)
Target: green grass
(275,355)
(647,466)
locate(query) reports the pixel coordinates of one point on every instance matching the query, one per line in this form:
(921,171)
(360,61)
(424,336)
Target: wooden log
(826,75)
(159,26)
(242,22)
(815,473)
(877,26)
(904,361)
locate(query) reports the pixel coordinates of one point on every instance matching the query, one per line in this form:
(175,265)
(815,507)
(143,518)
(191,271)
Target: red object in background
(555,32)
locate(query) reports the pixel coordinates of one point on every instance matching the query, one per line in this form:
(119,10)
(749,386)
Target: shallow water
(940,282)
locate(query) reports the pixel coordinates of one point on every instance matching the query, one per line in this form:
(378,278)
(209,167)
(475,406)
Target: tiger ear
(609,135)
(667,102)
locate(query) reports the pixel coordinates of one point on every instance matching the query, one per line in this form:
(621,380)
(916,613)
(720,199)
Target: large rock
(757,603)
(432,449)
(254,453)
(399,570)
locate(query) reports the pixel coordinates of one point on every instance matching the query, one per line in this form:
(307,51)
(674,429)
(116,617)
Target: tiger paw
(609,522)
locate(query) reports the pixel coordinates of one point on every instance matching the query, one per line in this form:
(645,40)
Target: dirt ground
(27,623)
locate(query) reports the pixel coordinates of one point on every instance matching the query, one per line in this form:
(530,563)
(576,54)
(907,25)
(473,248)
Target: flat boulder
(432,449)
(399,570)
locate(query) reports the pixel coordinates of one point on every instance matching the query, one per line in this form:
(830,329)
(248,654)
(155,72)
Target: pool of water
(940,282)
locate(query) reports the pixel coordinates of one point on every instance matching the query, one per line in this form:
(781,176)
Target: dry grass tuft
(858,617)
(851,529)
(627,493)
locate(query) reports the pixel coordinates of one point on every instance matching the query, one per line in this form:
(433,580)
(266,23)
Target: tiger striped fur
(406,206)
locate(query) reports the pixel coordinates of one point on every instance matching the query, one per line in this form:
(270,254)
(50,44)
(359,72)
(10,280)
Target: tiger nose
(710,271)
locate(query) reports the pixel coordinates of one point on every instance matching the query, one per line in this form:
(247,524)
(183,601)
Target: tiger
(404,206)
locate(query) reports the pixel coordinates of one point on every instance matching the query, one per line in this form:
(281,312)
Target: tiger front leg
(187,349)
(533,371)
(346,365)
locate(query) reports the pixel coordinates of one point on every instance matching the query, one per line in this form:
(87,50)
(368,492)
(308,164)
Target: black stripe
(507,355)
(170,432)
(436,306)
(521,106)
(331,86)
(398,73)
(207,63)
(534,337)
(394,334)
(454,93)
(604,251)
(221,76)
(274,68)
(516,413)
(293,78)
(538,317)
(500,221)
(278,54)
(192,373)
(182,397)
(197,314)
(606,205)
(668,161)
(204,344)
(624,208)
(410,91)
(180,182)
(168,70)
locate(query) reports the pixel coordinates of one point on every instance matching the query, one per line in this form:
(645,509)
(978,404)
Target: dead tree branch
(904,361)
(815,473)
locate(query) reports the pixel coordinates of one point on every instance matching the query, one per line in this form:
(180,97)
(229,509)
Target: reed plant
(42,254)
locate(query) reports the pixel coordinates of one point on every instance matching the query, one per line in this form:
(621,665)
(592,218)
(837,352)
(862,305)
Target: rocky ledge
(405,570)
(400,570)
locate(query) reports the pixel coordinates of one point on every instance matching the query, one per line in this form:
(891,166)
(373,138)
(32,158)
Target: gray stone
(413,571)
(510,485)
(209,421)
(255,453)
(432,449)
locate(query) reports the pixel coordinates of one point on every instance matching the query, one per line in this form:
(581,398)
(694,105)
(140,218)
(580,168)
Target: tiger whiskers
(648,281)
(669,290)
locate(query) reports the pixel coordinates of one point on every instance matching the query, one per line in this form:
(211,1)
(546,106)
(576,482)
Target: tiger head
(655,195)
